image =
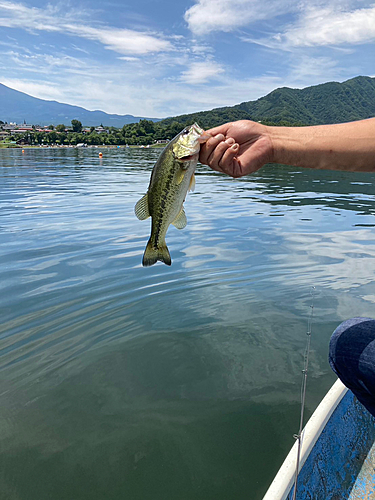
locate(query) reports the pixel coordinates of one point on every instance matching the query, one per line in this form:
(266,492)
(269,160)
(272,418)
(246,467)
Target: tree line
(145,132)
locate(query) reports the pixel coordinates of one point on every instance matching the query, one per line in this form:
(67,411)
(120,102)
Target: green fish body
(171,178)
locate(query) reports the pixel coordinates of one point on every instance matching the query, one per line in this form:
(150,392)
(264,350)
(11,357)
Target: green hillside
(326,103)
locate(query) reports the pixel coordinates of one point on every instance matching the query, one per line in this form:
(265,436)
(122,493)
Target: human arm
(242,147)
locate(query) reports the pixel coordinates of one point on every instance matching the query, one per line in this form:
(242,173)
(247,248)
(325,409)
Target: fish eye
(186,131)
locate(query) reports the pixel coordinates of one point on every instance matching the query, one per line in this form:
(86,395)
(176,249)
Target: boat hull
(337,454)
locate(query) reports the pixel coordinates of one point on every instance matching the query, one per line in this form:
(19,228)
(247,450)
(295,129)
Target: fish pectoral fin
(180,176)
(192,183)
(181,220)
(141,208)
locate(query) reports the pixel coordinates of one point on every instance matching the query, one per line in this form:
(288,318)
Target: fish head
(188,142)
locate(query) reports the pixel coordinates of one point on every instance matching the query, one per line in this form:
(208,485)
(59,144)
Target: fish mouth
(189,157)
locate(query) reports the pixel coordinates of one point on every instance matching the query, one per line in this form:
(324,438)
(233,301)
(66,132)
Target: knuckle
(214,141)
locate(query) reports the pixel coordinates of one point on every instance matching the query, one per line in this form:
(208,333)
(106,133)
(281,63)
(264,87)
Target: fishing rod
(298,436)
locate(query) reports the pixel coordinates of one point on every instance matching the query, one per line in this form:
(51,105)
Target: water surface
(181,382)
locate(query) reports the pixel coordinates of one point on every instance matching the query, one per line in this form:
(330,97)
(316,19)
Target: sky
(169,57)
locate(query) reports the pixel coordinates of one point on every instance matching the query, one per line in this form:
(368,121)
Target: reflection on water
(119,381)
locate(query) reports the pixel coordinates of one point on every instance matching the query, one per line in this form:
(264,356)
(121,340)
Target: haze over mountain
(18,107)
(330,102)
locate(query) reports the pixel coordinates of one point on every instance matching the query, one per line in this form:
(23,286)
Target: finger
(209,146)
(214,160)
(227,161)
(249,161)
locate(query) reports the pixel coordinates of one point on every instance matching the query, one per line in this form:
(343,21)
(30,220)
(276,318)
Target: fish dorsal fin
(192,183)
(141,208)
(180,221)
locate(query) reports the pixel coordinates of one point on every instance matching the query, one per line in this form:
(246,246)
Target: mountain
(330,102)
(18,107)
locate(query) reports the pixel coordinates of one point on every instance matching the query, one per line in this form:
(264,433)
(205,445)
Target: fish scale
(165,197)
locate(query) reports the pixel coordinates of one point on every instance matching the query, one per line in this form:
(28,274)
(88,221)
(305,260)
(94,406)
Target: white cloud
(104,88)
(220,15)
(317,23)
(200,48)
(306,70)
(128,58)
(123,41)
(44,62)
(47,90)
(201,72)
(327,26)
(17,15)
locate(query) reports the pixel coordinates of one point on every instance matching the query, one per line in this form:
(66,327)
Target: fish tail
(152,254)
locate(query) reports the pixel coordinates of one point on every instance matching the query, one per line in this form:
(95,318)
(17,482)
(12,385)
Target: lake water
(181,382)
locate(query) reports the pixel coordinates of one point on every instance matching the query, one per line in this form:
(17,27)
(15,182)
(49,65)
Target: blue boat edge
(335,444)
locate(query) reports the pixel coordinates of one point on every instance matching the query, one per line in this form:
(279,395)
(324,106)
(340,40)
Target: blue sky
(168,57)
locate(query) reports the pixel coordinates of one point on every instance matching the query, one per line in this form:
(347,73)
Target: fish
(171,179)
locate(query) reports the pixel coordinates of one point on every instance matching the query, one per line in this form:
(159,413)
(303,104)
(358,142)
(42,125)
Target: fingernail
(235,146)
(219,137)
(230,141)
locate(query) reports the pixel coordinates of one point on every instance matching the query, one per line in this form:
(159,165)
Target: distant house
(101,130)
(21,130)
(22,142)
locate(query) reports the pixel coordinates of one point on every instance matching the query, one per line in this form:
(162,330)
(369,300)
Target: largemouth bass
(171,178)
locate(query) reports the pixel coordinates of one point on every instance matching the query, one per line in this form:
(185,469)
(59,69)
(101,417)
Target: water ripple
(166,368)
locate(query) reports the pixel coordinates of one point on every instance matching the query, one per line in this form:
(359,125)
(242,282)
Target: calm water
(123,382)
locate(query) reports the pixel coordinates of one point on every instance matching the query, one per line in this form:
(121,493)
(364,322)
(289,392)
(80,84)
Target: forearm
(345,146)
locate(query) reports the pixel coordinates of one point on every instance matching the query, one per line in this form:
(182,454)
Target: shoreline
(71,146)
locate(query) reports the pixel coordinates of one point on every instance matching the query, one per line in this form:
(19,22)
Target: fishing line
(298,436)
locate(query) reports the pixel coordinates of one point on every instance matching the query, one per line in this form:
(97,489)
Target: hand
(237,148)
